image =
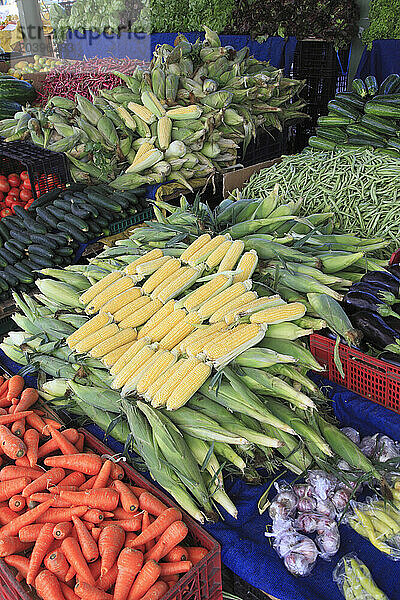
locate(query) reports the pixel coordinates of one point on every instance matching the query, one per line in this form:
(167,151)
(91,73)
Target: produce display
(368,115)
(14,93)
(47,232)
(182,120)
(69,516)
(15,190)
(354,579)
(383,24)
(40,65)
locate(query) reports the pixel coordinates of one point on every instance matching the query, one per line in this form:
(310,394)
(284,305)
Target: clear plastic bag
(299,552)
(386,449)
(352,434)
(355,581)
(379,523)
(323,484)
(328,540)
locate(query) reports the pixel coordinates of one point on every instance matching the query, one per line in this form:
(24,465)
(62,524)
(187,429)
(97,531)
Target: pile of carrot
(69,524)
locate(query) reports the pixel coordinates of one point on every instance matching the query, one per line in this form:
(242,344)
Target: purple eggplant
(385,278)
(354,301)
(376,332)
(391,357)
(376,290)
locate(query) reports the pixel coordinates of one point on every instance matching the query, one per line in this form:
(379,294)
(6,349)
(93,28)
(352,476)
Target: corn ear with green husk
(293,373)
(226,452)
(59,292)
(218,495)
(286,331)
(331,311)
(205,457)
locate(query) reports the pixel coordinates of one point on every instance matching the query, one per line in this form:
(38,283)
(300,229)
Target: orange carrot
(73,479)
(145,524)
(176,554)
(171,537)
(96,531)
(157,591)
(80,442)
(56,563)
(30,533)
(88,546)
(55,515)
(17,503)
(6,515)
(15,386)
(13,472)
(74,556)
(151,504)
(39,497)
(105,582)
(68,593)
(128,499)
(89,464)
(22,462)
(158,527)
(129,564)
(35,421)
(173,568)
(21,563)
(95,568)
(170,578)
(62,442)
(10,418)
(18,428)
(48,586)
(102,498)
(196,553)
(88,485)
(11,445)
(13,527)
(126,524)
(13,486)
(31,441)
(62,530)
(121,514)
(138,491)
(130,536)
(51,477)
(145,579)
(28,398)
(40,549)
(90,592)
(12,545)
(52,422)
(111,541)
(51,446)
(4,388)
(117,471)
(94,515)
(101,480)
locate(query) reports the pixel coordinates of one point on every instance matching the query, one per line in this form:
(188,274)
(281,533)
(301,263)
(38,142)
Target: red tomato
(6,212)
(9,201)
(3,178)
(24,176)
(14,180)
(14,192)
(25,195)
(26,185)
(4,186)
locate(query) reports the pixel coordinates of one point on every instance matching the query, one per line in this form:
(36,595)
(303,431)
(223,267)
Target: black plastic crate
(137,219)
(46,169)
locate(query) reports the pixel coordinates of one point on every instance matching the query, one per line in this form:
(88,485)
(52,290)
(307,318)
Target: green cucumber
(95,228)
(103,221)
(359,87)
(13,222)
(379,124)
(8,256)
(92,210)
(364,141)
(15,246)
(45,199)
(332,133)
(67,251)
(389,99)
(380,109)
(29,223)
(8,278)
(41,262)
(43,241)
(63,204)
(47,218)
(79,211)
(21,236)
(321,144)
(61,239)
(20,275)
(4,231)
(76,222)
(343,110)
(124,202)
(36,249)
(102,202)
(80,196)
(74,232)
(4,285)
(3,262)
(350,99)
(29,264)
(394,143)
(372,85)
(333,120)
(24,268)
(389,84)
(57,213)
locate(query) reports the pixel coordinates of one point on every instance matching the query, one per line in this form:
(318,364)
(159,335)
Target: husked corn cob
(131,385)
(159,316)
(121,285)
(129,370)
(152,255)
(155,293)
(233,306)
(247,266)
(115,304)
(161,379)
(220,300)
(188,386)
(159,331)
(163,361)
(201,332)
(254,306)
(279,314)
(195,246)
(180,331)
(124,336)
(148,268)
(184,112)
(207,291)
(95,338)
(111,358)
(130,353)
(231,257)
(147,160)
(234,343)
(181,283)
(99,286)
(150,101)
(204,252)
(130,308)
(91,326)
(172,265)
(141,316)
(196,348)
(145,147)
(218,255)
(164,130)
(161,397)
(142,112)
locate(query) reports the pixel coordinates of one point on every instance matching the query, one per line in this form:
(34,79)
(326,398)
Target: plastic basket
(47,170)
(119,226)
(371,378)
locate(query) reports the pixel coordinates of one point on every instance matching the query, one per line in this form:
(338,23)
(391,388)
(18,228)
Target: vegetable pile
(40,65)
(365,116)
(74,521)
(182,120)
(13,93)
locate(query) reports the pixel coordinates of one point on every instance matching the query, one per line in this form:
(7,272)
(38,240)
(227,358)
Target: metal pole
(32,27)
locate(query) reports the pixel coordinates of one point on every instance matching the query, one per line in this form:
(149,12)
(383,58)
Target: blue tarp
(382,60)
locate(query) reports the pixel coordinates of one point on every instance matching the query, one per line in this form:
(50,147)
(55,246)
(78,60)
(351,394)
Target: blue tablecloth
(382,60)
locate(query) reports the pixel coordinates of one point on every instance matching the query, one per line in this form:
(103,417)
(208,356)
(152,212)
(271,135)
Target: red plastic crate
(202,582)
(369,377)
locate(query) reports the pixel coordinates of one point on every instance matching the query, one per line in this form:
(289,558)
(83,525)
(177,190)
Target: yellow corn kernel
(161,397)
(121,285)
(177,287)
(124,336)
(172,265)
(159,331)
(219,253)
(130,308)
(131,384)
(141,316)
(99,286)
(238,339)
(91,326)
(247,266)
(254,306)
(180,331)
(152,255)
(131,352)
(205,251)
(279,314)
(111,358)
(188,386)
(207,291)
(157,291)
(159,316)
(195,246)
(162,362)
(148,268)
(161,379)
(235,305)
(132,367)
(220,300)
(115,304)
(195,348)
(95,338)
(231,257)
(201,332)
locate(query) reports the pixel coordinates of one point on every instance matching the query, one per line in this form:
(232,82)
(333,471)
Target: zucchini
(379,124)
(333,120)
(389,99)
(371,85)
(380,109)
(78,211)
(389,84)
(45,199)
(359,87)
(8,256)
(29,223)
(76,233)
(321,144)
(343,110)
(10,279)
(363,131)
(58,213)
(332,133)
(20,275)
(363,141)
(63,204)
(394,143)
(46,217)
(37,249)
(76,222)
(351,100)
(21,236)
(67,251)
(102,202)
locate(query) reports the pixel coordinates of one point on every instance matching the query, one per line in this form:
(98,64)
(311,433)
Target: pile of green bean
(361,188)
